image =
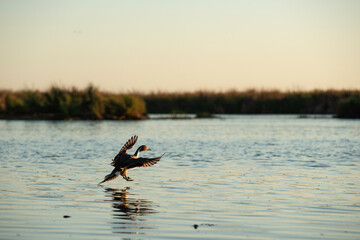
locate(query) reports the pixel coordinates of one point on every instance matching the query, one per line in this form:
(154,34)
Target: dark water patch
(319,165)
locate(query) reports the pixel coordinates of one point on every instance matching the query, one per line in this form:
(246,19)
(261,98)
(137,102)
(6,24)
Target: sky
(147,46)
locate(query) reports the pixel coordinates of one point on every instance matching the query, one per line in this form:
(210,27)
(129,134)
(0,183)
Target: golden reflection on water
(128,212)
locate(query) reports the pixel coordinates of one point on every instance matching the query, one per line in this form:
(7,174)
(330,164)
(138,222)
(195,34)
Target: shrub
(61,103)
(349,107)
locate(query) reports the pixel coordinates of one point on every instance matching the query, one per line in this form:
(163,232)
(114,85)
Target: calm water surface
(248,177)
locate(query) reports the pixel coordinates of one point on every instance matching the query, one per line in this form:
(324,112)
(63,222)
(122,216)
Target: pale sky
(186,45)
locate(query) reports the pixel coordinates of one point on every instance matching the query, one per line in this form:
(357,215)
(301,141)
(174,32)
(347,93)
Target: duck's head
(144,148)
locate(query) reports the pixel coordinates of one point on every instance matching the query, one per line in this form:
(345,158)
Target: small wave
(319,165)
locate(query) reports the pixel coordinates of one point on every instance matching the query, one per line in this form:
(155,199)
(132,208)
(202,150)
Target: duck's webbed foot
(127,178)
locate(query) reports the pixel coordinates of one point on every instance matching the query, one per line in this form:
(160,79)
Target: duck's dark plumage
(123,155)
(141,162)
(124,161)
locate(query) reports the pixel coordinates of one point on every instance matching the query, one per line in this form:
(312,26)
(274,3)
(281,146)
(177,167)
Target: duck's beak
(149,149)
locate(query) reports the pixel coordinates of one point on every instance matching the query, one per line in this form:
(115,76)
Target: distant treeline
(90,103)
(63,103)
(340,103)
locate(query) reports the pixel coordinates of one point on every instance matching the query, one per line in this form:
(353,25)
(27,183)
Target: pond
(233,177)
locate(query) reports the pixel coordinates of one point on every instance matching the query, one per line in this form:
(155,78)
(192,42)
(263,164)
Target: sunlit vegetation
(63,103)
(90,103)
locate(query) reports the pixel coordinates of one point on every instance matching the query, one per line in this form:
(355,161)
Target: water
(247,177)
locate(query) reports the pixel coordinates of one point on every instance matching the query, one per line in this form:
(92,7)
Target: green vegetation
(90,103)
(61,103)
(349,107)
(341,103)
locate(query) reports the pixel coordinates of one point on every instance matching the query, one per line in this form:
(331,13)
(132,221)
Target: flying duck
(124,161)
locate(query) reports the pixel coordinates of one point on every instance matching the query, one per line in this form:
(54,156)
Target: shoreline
(154,117)
(92,104)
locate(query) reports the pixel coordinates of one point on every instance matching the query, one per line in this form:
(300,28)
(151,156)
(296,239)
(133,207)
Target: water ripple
(238,178)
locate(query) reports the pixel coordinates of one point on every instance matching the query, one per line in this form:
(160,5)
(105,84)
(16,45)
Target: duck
(123,161)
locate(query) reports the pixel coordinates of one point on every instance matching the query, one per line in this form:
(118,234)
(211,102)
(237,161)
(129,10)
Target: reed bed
(64,103)
(90,103)
(340,103)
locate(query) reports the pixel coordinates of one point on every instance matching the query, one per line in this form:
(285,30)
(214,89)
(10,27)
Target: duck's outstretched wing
(143,162)
(129,144)
(123,151)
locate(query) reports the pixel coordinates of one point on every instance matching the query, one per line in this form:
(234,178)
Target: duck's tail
(109,177)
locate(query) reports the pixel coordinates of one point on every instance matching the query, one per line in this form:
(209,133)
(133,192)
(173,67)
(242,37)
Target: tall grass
(342,103)
(90,103)
(63,103)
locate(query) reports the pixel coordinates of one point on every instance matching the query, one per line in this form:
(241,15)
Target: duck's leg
(123,174)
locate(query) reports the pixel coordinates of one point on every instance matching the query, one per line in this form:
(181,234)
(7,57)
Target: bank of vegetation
(63,103)
(340,103)
(90,103)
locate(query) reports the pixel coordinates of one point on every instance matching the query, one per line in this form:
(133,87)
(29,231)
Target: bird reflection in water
(129,212)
